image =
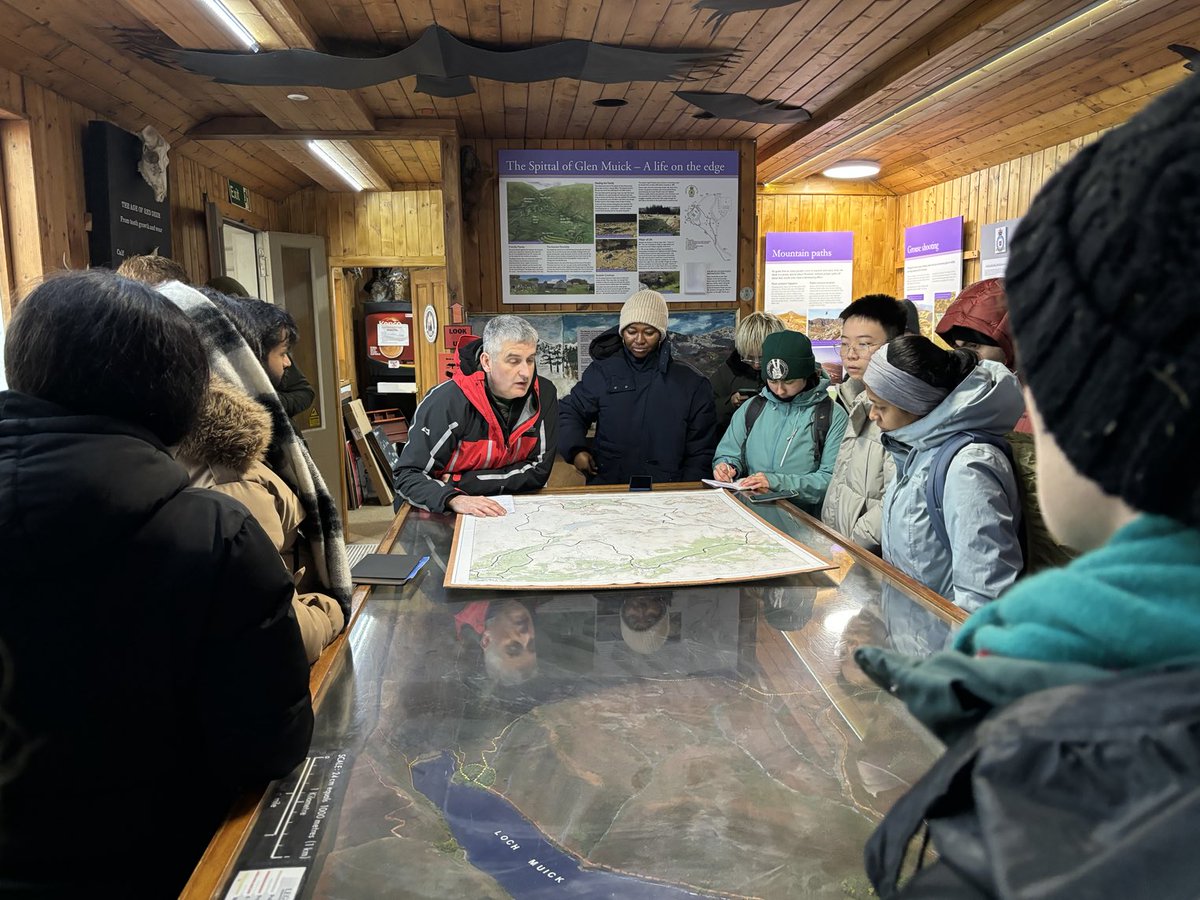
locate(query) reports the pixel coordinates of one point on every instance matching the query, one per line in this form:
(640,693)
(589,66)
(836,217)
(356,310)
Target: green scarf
(1133,602)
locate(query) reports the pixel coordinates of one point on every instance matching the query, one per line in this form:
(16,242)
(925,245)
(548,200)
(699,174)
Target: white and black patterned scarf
(230,358)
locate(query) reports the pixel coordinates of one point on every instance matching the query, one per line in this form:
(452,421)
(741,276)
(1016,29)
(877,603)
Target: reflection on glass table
(707,741)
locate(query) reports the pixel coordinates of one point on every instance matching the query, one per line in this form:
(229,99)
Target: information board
(583,226)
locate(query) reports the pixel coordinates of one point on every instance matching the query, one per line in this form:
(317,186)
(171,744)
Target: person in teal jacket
(1069,705)
(778,450)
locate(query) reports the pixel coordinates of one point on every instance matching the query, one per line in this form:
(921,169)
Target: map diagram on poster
(596,225)
(615,540)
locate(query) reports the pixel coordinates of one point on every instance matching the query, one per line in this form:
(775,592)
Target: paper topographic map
(622,539)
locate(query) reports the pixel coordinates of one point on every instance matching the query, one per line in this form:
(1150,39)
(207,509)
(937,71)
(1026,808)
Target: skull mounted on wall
(153,164)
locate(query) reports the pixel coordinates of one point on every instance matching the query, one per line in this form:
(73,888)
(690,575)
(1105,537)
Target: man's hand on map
(466,505)
(585,462)
(724,472)
(756,482)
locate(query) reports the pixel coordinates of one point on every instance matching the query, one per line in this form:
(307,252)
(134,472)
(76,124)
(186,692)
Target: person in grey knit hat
(1087,675)
(654,414)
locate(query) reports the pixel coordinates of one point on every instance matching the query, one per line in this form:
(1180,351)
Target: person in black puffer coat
(149,643)
(653,414)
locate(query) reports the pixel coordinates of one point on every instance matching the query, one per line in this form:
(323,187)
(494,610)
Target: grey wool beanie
(1105,306)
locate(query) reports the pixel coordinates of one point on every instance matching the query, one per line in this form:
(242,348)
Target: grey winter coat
(854,501)
(982,503)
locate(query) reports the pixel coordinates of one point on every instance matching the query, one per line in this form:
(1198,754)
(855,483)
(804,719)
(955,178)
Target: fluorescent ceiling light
(324,156)
(231,23)
(853,168)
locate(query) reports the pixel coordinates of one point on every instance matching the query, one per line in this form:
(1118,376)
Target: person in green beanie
(787,437)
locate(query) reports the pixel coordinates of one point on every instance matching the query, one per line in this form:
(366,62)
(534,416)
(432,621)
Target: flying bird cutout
(1191,54)
(745,108)
(442,63)
(723,9)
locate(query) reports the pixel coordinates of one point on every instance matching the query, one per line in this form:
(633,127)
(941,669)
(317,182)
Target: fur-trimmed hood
(233,430)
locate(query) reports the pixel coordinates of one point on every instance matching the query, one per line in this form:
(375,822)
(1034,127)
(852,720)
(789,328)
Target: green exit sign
(238,195)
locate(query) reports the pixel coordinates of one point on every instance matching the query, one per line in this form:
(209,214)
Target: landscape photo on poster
(702,339)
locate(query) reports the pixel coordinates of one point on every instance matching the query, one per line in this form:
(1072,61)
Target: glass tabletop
(701,741)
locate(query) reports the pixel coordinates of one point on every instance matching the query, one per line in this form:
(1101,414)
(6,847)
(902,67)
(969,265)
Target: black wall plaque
(126,219)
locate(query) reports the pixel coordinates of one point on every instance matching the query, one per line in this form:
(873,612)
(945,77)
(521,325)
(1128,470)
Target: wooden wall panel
(872,217)
(190,183)
(46,205)
(358,227)
(481,228)
(1002,191)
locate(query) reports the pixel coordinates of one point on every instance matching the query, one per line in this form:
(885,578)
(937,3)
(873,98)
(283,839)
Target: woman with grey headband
(944,414)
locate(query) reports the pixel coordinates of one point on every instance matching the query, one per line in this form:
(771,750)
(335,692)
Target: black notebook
(386,568)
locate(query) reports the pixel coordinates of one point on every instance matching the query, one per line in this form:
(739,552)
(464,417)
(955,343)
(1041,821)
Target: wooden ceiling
(931,88)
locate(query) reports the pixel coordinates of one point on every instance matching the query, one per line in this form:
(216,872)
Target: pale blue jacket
(782,447)
(981,500)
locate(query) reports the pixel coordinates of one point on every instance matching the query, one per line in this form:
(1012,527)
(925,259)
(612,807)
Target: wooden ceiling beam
(942,39)
(299,156)
(350,158)
(261,128)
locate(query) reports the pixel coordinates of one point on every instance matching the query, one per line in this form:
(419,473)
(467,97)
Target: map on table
(591,541)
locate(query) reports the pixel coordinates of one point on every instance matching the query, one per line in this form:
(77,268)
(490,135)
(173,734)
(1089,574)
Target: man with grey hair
(492,429)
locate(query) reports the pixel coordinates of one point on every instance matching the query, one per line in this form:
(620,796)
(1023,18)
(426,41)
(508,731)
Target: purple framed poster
(933,266)
(808,279)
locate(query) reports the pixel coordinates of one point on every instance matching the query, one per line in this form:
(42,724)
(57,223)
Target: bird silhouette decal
(1191,54)
(745,108)
(723,9)
(442,63)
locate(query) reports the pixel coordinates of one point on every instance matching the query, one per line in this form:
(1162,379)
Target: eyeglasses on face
(861,348)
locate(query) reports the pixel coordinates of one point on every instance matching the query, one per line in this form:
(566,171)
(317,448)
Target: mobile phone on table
(641,483)
(768,496)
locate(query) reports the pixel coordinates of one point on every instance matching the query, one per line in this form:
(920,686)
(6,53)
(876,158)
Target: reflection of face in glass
(644,622)
(509,649)
(639,613)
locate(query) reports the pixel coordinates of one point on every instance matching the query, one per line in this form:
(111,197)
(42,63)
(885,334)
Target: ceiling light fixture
(852,168)
(324,156)
(297,96)
(231,23)
(610,101)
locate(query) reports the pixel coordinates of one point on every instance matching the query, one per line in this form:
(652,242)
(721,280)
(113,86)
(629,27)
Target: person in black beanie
(1089,675)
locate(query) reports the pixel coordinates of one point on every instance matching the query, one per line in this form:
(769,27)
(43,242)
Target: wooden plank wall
(371,224)
(989,195)
(481,228)
(46,202)
(878,220)
(189,182)
(871,216)
(43,162)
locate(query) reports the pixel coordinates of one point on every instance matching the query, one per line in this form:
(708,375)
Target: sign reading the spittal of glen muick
(583,226)
(933,266)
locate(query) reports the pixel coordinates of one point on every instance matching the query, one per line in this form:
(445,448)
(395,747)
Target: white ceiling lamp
(231,23)
(853,168)
(326,157)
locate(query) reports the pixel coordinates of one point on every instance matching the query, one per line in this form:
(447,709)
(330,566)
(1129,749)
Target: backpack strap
(754,410)
(821,417)
(935,485)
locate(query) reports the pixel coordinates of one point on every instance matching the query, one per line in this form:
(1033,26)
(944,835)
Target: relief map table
(713,740)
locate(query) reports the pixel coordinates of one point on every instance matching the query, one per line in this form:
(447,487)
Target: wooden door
(431,313)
